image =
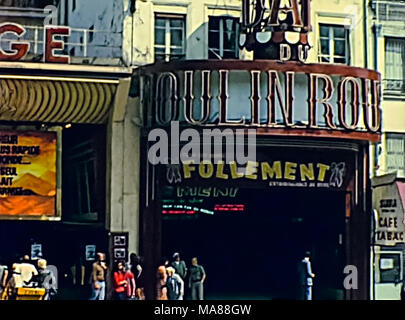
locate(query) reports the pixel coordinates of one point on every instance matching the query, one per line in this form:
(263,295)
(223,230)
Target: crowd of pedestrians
(175,281)
(24,274)
(172,276)
(126,279)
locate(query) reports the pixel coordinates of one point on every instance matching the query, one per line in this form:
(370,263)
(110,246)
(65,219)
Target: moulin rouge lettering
(356,98)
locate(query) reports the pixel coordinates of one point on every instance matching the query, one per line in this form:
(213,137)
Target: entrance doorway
(253,253)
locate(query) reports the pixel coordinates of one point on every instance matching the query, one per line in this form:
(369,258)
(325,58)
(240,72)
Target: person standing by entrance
(98,278)
(180,266)
(196,280)
(131,284)
(46,279)
(175,285)
(305,277)
(120,282)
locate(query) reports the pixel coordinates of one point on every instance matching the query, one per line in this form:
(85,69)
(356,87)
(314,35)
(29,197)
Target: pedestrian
(135,264)
(136,269)
(131,283)
(305,277)
(27,271)
(98,278)
(46,279)
(175,285)
(120,284)
(196,280)
(180,266)
(161,288)
(14,282)
(3,276)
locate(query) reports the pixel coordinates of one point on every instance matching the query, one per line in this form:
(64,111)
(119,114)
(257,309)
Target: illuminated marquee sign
(276,29)
(275,167)
(19,49)
(265,94)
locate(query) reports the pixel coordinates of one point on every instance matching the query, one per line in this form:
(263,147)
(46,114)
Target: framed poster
(29,175)
(120,240)
(90,252)
(36,251)
(120,254)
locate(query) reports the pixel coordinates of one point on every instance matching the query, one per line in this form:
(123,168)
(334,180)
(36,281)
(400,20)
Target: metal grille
(390,11)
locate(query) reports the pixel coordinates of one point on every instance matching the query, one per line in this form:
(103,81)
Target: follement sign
(27,173)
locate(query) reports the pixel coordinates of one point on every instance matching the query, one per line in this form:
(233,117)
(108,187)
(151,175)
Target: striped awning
(56,99)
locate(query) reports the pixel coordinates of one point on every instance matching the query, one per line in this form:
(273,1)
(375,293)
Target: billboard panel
(28,173)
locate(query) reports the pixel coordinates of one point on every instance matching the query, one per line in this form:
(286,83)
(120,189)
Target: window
(81,178)
(395,64)
(223,38)
(396,154)
(83,166)
(389,267)
(169,37)
(334,44)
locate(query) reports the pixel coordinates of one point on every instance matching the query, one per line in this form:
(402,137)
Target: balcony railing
(82,43)
(390,11)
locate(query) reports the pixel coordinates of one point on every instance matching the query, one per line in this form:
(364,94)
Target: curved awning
(56,99)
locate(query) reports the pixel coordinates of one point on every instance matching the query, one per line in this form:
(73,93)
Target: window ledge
(394,95)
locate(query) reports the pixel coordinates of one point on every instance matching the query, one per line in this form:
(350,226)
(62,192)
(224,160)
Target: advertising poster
(27,173)
(36,251)
(90,252)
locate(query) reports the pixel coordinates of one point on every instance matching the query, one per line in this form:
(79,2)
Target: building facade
(184,35)
(55,121)
(144,48)
(385,19)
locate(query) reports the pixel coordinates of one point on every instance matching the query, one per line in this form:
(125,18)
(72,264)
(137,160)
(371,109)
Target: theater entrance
(250,240)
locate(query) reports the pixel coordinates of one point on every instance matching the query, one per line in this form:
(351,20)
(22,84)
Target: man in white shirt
(27,270)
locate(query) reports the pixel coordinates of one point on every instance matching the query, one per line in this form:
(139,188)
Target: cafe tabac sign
(277,93)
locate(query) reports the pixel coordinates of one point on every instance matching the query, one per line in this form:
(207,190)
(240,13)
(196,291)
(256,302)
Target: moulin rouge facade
(307,116)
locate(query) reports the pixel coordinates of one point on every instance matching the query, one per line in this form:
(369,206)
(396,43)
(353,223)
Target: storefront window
(334,44)
(223,33)
(390,268)
(396,154)
(395,64)
(82,187)
(169,37)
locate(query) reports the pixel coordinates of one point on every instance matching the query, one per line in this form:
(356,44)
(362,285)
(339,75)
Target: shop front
(306,188)
(53,166)
(388,237)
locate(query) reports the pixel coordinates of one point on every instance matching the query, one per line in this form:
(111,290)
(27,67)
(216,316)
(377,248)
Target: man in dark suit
(305,277)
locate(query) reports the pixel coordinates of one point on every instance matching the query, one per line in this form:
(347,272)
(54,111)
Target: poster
(27,173)
(36,251)
(90,252)
(120,254)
